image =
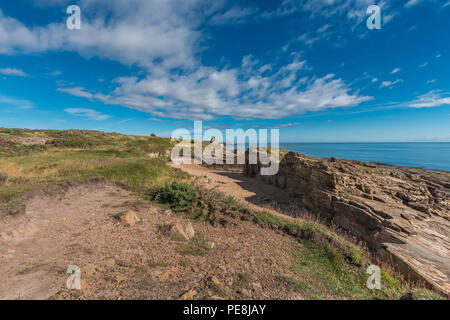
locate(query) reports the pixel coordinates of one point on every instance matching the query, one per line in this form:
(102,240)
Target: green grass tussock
(178,195)
(77,156)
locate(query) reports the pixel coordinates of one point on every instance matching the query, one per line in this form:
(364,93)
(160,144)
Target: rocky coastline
(402,213)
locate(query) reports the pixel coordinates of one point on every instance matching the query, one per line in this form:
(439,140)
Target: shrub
(178,195)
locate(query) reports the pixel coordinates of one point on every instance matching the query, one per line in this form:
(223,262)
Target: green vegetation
(326,266)
(178,195)
(311,231)
(323,265)
(242,280)
(197,246)
(322,272)
(79,139)
(31,269)
(79,156)
(154,264)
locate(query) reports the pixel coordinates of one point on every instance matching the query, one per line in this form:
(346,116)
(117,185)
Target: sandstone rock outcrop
(26,141)
(402,213)
(183,231)
(129,217)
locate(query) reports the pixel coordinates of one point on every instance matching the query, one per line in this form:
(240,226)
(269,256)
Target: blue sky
(309,67)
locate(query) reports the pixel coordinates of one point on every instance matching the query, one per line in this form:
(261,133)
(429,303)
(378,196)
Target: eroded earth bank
(402,213)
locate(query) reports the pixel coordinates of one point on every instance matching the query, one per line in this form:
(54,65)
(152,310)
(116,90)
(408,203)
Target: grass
(323,272)
(242,280)
(327,266)
(83,139)
(197,246)
(31,269)
(154,264)
(306,230)
(323,265)
(178,195)
(79,156)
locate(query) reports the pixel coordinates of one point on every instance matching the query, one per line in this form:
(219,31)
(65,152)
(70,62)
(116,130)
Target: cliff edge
(402,213)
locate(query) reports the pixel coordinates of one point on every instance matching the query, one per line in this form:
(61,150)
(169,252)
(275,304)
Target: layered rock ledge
(402,213)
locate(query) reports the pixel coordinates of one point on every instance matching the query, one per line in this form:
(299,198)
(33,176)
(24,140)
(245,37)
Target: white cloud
(286,7)
(55,73)
(390,84)
(309,39)
(446,4)
(233,15)
(243,93)
(87,113)
(19,103)
(353,12)
(374,80)
(430,100)
(396,70)
(13,72)
(324,33)
(129,35)
(431,81)
(288,125)
(164,39)
(412,3)
(388,17)
(323,28)
(423,65)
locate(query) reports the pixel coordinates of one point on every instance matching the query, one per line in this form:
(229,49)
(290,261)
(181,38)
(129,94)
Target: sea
(428,155)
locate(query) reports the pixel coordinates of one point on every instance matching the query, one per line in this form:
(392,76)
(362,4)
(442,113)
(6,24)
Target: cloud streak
(165,45)
(87,113)
(390,84)
(20,103)
(430,100)
(13,72)
(242,93)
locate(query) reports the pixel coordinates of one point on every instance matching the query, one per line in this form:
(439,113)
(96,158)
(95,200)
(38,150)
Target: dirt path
(239,261)
(37,247)
(253,192)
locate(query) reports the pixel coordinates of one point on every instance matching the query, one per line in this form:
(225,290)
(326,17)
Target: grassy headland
(324,264)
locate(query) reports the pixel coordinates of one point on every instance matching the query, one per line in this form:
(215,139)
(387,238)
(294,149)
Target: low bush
(178,195)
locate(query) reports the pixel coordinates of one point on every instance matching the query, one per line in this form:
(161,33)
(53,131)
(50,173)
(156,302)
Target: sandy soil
(250,191)
(117,261)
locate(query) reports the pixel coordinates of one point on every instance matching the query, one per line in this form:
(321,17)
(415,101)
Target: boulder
(404,208)
(215,281)
(408,296)
(129,217)
(184,231)
(188,295)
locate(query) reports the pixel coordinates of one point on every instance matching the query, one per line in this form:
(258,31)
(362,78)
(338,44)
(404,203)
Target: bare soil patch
(118,261)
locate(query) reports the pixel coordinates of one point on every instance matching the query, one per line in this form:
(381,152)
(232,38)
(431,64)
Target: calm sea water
(424,155)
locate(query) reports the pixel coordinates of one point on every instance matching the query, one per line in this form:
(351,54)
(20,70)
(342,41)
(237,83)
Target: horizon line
(285,142)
